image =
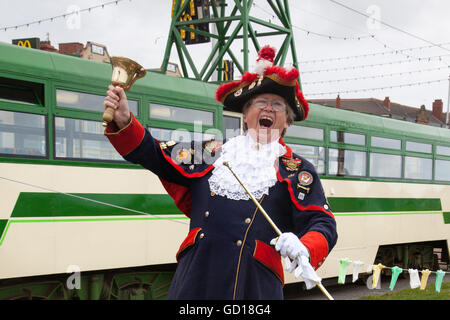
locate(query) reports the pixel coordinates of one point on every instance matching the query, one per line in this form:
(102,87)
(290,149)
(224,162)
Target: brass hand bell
(125,73)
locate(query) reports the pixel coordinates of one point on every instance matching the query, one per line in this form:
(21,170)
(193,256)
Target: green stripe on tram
(71,209)
(3,224)
(446,217)
(343,205)
(38,204)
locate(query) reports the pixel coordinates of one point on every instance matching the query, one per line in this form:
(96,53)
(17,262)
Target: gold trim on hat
(274,77)
(242,85)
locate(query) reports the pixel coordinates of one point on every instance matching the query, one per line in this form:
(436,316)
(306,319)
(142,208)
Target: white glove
(290,246)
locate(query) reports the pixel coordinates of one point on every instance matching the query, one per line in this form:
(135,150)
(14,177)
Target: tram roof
(57,66)
(356,121)
(32,62)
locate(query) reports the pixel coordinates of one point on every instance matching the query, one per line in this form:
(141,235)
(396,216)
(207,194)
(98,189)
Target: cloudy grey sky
(139,28)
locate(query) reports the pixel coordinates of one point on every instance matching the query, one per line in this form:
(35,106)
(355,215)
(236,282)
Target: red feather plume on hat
(266,53)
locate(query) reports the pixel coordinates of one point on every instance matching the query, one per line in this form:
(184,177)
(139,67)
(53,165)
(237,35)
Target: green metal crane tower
(190,21)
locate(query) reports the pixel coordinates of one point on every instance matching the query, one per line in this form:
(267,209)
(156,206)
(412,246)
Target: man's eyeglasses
(277,105)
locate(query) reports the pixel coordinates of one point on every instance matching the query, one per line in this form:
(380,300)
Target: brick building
(90,51)
(386,108)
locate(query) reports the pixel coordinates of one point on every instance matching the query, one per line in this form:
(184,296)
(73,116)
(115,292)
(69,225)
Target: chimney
(437,109)
(421,116)
(387,103)
(71,48)
(46,46)
(338,102)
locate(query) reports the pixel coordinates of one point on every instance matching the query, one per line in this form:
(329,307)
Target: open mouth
(265,122)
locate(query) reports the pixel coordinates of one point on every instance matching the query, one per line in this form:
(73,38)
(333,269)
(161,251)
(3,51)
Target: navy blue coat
(226,254)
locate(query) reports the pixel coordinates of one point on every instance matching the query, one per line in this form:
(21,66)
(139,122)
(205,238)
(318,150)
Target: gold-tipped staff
(274,226)
(125,73)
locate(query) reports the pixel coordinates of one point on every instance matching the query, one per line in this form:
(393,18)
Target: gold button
(239,243)
(248,220)
(206,214)
(212,194)
(202,235)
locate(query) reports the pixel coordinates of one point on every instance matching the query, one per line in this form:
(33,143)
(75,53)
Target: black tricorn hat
(268,79)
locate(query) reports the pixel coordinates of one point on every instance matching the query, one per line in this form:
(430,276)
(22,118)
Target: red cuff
(317,246)
(126,139)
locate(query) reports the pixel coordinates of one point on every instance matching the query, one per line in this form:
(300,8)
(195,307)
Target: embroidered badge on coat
(212,146)
(304,179)
(170,143)
(184,156)
(291,164)
(165,145)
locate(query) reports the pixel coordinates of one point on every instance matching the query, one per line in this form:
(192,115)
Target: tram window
(343,162)
(159,111)
(22,134)
(86,101)
(347,137)
(442,170)
(161,134)
(386,143)
(231,127)
(305,132)
(82,139)
(315,155)
(179,135)
(418,168)
(22,91)
(418,147)
(445,151)
(385,165)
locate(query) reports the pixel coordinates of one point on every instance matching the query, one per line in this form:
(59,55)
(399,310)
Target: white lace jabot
(252,162)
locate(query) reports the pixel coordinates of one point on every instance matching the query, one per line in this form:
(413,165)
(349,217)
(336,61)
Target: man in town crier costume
(231,251)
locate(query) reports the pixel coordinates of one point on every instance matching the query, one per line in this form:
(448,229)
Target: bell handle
(108,116)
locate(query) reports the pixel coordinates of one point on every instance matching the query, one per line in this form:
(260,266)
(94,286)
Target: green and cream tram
(78,222)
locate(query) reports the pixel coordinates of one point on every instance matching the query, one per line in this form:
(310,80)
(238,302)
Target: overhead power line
(389,25)
(374,76)
(377,64)
(374,89)
(51,19)
(330,37)
(365,55)
(323,35)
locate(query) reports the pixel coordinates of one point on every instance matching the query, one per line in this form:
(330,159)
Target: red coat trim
(182,171)
(294,200)
(317,246)
(288,153)
(126,139)
(189,241)
(181,195)
(270,258)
